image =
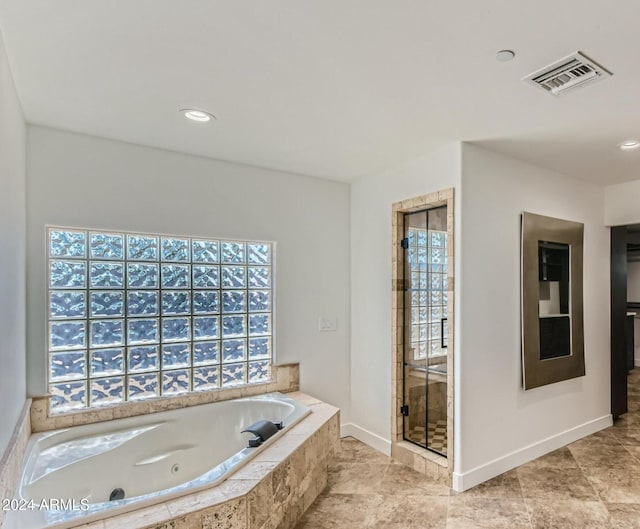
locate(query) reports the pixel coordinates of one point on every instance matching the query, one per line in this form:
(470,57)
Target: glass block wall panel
(142,248)
(143,358)
(437,261)
(68,396)
(259,371)
(142,386)
(68,365)
(205,328)
(67,335)
(142,331)
(175,276)
(105,362)
(205,378)
(107,245)
(259,277)
(134,316)
(206,302)
(67,274)
(233,350)
(259,253)
(232,252)
(106,333)
(176,329)
(205,276)
(259,301)
(233,326)
(142,275)
(176,355)
(67,243)
(234,277)
(205,251)
(108,304)
(174,382)
(107,391)
(234,301)
(259,348)
(142,303)
(107,275)
(259,324)
(72,304)
(175,302)
(427,260)
(233,374)
(206,353)
(175,249)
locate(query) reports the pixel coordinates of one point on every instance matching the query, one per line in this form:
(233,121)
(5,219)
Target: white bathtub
(152,457)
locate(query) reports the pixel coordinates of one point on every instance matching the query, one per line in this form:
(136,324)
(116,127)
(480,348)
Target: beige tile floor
(593,483)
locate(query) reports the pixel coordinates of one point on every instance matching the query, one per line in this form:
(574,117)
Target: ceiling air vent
(567,73)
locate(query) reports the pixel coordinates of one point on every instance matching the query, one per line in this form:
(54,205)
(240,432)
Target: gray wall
(79,180)
(501,425)
(12,253)
(371,201)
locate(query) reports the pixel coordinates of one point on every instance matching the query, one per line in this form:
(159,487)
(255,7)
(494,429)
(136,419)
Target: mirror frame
(536,372)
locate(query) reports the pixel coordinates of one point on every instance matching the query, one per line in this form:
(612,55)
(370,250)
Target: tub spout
(262,430)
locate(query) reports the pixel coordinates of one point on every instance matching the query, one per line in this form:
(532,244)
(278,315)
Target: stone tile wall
(418,399)
(11,462)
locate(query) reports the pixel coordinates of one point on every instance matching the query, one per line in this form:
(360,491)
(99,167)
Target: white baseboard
(466,480)
(636,362)
(369,438)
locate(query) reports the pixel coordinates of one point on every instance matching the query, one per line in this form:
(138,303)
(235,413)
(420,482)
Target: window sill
(286,378)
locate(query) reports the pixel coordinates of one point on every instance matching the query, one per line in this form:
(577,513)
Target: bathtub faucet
(262,430)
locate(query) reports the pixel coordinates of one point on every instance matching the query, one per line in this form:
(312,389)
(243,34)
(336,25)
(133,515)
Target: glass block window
(133,316)
(427,261)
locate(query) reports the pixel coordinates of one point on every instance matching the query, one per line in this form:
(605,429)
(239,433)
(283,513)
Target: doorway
(625,310)
(423,344)
(425,245)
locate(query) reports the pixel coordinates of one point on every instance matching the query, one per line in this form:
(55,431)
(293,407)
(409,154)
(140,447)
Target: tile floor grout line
(613,492)
(524,500)
(586,476)
(529,517)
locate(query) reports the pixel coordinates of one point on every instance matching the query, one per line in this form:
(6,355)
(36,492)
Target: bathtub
(69,475)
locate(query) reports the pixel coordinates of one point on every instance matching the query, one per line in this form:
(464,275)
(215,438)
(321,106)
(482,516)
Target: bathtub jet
(116,494)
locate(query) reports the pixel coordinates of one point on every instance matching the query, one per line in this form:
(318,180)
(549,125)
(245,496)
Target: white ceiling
(332,88)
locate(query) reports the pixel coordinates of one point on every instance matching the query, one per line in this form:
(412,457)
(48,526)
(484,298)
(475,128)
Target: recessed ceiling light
(629,145)
(505,55)
(196,115)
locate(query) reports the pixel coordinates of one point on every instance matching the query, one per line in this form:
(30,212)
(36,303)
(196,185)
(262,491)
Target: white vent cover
(567,73)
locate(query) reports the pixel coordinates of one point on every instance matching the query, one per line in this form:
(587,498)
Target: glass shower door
(425,329)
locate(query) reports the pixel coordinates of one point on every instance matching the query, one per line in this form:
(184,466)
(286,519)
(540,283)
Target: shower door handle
(443,343)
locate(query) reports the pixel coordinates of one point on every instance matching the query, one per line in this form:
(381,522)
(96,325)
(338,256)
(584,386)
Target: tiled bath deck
(270,492)
(593,483)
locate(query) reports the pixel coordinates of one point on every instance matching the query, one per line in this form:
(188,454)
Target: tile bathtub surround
(286,378)
(593,483)
(11,461)
(272,491)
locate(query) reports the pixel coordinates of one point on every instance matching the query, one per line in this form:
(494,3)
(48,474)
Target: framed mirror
(552,303)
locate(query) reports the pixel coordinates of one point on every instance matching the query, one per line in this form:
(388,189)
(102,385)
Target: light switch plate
(327,324)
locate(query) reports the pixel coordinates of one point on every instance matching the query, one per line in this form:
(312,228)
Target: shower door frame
(410,361)
(419,458)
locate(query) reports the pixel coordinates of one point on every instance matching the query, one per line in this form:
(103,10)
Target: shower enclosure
(424,407)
